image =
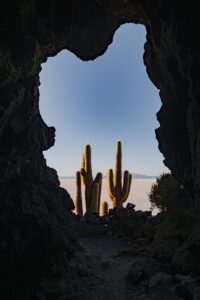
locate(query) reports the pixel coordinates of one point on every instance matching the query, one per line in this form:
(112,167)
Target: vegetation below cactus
(166,193)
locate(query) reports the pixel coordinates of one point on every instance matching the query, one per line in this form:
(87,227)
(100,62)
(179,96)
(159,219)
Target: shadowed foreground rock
(121,260)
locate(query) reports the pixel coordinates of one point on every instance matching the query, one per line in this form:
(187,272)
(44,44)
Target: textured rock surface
(34,210)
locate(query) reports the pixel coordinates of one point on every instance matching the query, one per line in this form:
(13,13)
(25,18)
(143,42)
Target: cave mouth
(98,102)
(39,239)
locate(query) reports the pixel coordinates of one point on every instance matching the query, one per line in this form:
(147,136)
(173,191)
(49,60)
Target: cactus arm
(88,164)
(94,197)
(125,185)
(83,161)
(118,167)
(128,189)
(98,179)
(99,199)
(78,199)
(83,175)
(130,181)
(111,188)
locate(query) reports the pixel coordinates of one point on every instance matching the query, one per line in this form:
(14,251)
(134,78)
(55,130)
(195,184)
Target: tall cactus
(78,199)
(92,192)
(94,197)
(116,191)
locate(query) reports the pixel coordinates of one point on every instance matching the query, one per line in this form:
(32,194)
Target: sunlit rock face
(37,236)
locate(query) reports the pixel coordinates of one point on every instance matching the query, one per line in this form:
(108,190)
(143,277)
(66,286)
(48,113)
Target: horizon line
(136,175)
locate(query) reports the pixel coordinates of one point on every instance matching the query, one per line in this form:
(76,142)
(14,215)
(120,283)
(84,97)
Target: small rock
(133,277)
(149,218)
(82,268)
(196,293)
(111,211)
(109,233)
(148,213)
(182,291)
(187,283)
(82,220)
(160,287)
(105,220)
(92,218)
(105,265)
(127,252)
(151,267)
(130,206)
(185,279)
(140,213)
(142,241)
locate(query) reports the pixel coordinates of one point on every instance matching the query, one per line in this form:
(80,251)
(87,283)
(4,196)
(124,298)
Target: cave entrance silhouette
(99,102)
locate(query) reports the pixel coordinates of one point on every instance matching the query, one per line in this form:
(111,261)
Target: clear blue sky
(101,101)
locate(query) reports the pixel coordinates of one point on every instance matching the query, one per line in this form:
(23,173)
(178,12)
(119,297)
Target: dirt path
(108,269)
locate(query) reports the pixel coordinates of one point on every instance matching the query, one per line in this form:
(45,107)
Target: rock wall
(37,236)
(172,62)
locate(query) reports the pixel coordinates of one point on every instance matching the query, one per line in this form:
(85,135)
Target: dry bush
(167,194)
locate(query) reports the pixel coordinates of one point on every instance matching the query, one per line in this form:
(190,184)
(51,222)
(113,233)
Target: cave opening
(101,101)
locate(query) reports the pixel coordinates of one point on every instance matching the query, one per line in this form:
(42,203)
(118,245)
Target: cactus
(78,199)
(91,199)
(104,208)
(94,197)
(116,191)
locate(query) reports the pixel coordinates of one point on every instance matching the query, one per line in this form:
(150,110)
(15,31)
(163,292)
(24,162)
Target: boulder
(144,267)
(160,287)
(92,217)
(130,206)
(187,258)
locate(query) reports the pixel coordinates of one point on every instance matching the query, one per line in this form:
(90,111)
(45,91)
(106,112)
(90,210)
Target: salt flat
(138,193)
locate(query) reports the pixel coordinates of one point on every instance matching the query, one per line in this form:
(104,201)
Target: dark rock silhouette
(121,257)
(37,236)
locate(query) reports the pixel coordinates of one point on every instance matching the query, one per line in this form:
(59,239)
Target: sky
(99,102)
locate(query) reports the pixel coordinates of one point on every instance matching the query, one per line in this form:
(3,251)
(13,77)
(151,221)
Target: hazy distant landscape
(135,176)
(138,194)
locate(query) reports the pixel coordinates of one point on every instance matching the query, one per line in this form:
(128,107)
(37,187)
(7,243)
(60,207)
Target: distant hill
(140,176)
(66,177)
(135,176)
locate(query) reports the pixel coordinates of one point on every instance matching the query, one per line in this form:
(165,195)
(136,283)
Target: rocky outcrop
(35,218)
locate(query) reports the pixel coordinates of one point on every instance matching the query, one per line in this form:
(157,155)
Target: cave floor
(108,262)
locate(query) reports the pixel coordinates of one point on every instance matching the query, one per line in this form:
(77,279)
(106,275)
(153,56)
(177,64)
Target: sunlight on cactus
(116,191)
(92,186)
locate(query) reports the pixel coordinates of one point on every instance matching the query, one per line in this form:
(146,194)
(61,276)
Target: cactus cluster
(117,191)
(92,186)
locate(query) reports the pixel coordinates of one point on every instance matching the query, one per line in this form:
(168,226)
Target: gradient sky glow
(99,102)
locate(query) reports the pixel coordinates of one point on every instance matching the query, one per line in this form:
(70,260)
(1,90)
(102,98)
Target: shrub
(166,193)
